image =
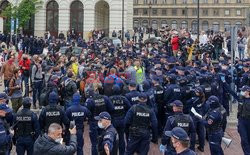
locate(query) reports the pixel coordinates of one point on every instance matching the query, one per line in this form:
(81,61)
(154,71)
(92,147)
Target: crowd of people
(170,92)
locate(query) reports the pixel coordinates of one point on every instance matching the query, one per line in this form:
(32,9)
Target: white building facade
(83,16)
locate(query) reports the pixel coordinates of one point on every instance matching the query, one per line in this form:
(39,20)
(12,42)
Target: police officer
(180,141)
(213,122)
(178,120)
(52,113)
(151,96)
(121,106)
(26,128)
(133,95)
(78,113)
(140,118)
(108,141)
(96,104)
(244,119)
(6,119)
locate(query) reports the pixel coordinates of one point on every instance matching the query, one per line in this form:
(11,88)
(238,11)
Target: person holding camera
(51,143)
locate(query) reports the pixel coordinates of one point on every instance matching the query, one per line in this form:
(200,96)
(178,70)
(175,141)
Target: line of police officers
(136,113)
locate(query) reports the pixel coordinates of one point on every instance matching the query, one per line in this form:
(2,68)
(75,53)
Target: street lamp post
(198,19)
(122,22)
(149,23)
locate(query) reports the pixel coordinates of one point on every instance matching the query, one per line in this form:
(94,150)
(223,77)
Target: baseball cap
(177,103)
(178,133)
(132,83)
(103,115)
(143,96)
(4,96)
(245,88)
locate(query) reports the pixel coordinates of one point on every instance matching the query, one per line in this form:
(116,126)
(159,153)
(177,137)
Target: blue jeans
(37,88)
(26,82)
(241,53)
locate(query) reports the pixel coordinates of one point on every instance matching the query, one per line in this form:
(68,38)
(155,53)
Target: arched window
(136,23)
(205,25)
(164,23)
(238,24)
(216,26)
(154,25)
(194,26)
(52,18)
(184,24)
(174,24)
(227,26)
(76,16)
(145,23)
(3,5)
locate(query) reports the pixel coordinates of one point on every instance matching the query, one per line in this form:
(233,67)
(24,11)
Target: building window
(164,12)
(238,24)
(145,2)
(154,11)
(174,1)
(205,1)
(145,11)
(135,11)
(184,25)
(164,2)
(52,18)
(227,1)
(145,23)
(216,1)
(184,12)
(135,1)
(136,23)
(154,24)
(184,1)
(195,1)
(194,12)
(174,24)
(238,1)
(164,23)
(227,26)
(227,12)
(205,12)
(76,16)
(194,26)
(205,25)
(216,12)
(238,12)
(216,27)
(174,12)
(154,1)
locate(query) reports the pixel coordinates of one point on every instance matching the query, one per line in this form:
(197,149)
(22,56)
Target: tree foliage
(23,11)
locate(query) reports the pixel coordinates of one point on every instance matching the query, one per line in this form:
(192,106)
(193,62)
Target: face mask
(100,125)
(242,93)
(59,140)
(178,55)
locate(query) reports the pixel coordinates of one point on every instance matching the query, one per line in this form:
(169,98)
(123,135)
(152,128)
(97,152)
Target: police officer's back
(133,95)
(121,106)
(78,113)
(140,118)
(108,140)
(26,129)
(179,120)
(52,113)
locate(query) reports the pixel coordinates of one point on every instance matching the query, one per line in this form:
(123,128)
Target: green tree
(23,11)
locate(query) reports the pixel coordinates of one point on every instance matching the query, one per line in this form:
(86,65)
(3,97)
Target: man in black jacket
(51,143)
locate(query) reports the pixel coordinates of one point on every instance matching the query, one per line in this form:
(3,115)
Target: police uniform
(244,121)
(5,122)
(52,113)
(214,122)
(97,104)
(140,118)
(133,96)
(108,136)
(26,129)
(121,106)
(78,113)
(179,120)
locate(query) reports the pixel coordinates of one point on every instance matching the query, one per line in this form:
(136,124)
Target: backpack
(44,97)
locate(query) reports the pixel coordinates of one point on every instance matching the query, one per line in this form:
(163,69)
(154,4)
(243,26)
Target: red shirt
(25,64)
(175,43)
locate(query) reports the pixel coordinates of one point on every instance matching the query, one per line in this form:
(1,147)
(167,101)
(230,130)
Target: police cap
(177,103)
(103,115)
(26,101)
(245,88)
(178,133)
(132,84)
